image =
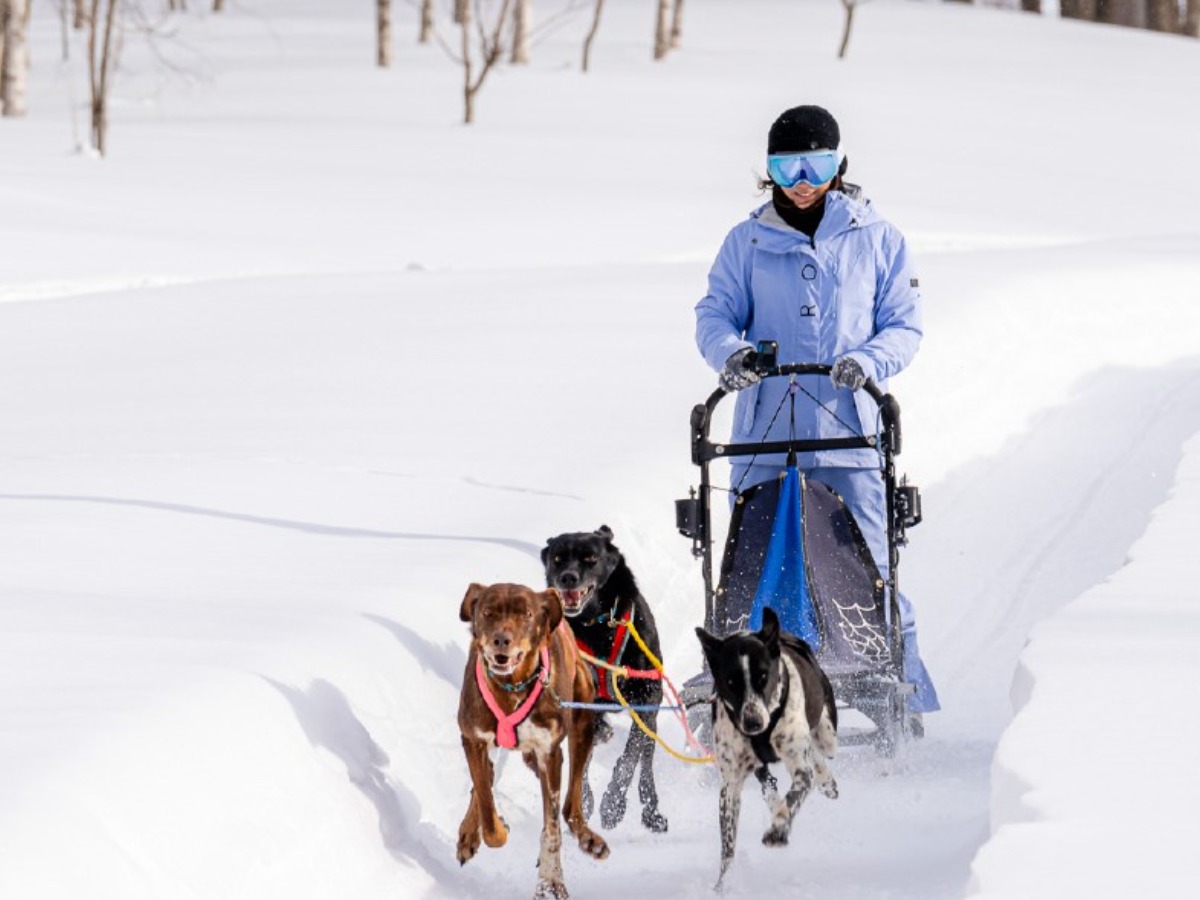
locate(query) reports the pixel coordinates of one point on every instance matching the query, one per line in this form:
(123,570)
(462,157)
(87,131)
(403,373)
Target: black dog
(773,704)
(599,595)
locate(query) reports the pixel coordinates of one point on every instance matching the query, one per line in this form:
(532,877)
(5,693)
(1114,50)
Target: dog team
(527,687)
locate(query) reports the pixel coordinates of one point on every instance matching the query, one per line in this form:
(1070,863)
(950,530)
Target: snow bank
(1094,783)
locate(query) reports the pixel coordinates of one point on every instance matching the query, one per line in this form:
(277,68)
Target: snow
(304,356)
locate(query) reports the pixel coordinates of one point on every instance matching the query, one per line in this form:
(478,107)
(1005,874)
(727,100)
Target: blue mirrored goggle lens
(816,168)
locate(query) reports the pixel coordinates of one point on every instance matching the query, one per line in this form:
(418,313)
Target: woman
(818,271)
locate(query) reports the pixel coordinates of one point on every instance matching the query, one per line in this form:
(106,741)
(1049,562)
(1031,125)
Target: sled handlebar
(703,449)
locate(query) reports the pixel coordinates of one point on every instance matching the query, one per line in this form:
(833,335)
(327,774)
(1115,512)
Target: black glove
(847,373)
(739,371)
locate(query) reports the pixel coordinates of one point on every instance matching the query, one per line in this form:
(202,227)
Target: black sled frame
(866,678)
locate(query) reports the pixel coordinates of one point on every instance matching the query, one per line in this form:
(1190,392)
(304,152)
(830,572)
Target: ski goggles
(815,167)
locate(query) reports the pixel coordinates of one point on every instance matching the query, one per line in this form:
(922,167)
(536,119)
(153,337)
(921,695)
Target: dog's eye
(590,560)
(558,558)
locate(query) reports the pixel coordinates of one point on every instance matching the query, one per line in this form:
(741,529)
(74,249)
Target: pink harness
(506,724)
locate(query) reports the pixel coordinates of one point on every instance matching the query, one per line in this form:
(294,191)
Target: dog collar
(506,723)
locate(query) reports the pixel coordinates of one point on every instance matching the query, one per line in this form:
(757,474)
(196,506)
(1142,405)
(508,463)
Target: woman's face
(804,195)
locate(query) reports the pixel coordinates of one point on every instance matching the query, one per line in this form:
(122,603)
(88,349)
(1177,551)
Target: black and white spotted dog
(772,703)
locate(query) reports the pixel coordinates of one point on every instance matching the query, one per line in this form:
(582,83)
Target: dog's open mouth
(504,663)
(574,601)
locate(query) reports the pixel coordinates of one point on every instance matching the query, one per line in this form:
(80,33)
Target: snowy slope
(304,357)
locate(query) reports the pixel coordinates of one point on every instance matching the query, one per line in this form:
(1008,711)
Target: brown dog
(522,663)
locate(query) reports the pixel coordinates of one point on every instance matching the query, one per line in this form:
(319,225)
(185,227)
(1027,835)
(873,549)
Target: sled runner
(793,545)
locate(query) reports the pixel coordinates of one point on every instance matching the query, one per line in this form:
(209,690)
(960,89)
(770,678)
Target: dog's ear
(605,532)
(467,611)
(769,633)
(711,646)
(552,600)
(546,550)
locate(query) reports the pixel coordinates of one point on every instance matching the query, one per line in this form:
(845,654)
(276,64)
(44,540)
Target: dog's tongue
(572,597)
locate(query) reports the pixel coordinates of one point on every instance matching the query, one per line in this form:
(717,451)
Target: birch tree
(849,6)
(101,53)
(491,46)
(677,25)
(662,29)
(14,56)
(522,23)
(383,33)
(591,35)
(426,22)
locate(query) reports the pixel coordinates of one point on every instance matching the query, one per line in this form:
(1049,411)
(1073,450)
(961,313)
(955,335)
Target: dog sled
(793,541)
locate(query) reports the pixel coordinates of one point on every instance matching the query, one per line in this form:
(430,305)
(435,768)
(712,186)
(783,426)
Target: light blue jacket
(851,290)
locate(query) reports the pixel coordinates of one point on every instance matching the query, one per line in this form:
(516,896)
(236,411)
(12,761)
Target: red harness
(604,677)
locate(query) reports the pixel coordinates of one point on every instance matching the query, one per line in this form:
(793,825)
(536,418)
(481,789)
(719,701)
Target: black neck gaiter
(803,220)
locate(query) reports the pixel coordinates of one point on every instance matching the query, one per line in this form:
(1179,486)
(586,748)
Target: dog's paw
(830,789)
(468,846)
(592,844)
(497,834)
(550,890)
(654,820)
(612,809)
(776,836)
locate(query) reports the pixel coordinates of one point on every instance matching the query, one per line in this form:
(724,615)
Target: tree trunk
(662,29)
(14,56)
(462,12)
(1033,6)
(848,5)
(218,5)
(1163,15)
(100,61)
(1191,19)
(1084,10)
(426,22)
(1130,13)
(522,22)
(591,35)
(677,25)
(383,33)
(81,14)
(491,49)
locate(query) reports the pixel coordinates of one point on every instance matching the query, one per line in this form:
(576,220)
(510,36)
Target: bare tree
(81,14)
(426,22)
(218,5)
(462,11)
(677,25)
(591,35)
(383,33)
(849,6)
(522,24)
(1163,15)
(662,29)
(14,56)
(491,47)
(1191,19)
(100,65)
(1130,13)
